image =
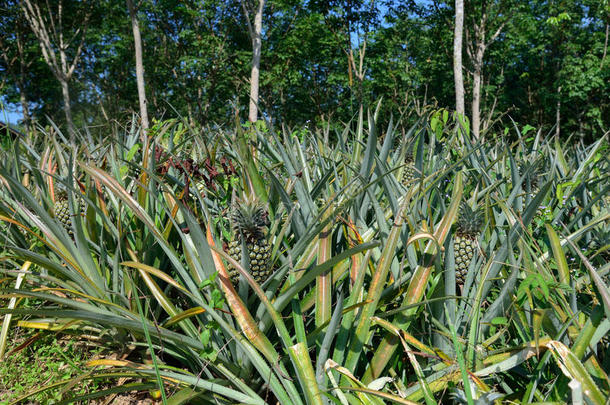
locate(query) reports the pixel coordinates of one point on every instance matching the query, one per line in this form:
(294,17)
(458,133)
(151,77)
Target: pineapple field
(347,263)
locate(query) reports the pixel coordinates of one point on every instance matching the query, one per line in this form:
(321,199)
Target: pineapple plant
(249,219)
(468,229)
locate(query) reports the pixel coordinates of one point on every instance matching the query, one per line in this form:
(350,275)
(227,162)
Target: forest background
(540,63)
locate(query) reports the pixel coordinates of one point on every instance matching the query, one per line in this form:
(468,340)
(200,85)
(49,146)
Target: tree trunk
(477,56)
(135,25)
(601,63)
(257,45)
(23,67)
(65,92)
(25,107)
(558,113)
(476,88)
(457,57)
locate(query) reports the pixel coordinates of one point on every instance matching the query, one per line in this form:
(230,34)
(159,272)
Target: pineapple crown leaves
(469,221)
(409,151)
(249,217)
(532,173)
(59,186)
(61,195)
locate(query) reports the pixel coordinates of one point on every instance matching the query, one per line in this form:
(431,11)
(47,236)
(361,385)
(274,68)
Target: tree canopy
(320,59)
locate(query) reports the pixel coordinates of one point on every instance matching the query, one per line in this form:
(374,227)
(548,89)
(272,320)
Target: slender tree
(476,52)
(457,57)
(255,30)
(135,26)
(601,63)
(558,24)
(54,43)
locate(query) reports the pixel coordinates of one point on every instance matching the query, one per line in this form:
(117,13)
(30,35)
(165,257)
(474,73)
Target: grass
(36,359)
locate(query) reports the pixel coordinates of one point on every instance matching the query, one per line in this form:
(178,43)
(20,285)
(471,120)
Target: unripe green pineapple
(200,187)
(62,212)
(198,180)
(542,209)
(534,177)
(197,191)
(249,219)
(410,173)
(465,241)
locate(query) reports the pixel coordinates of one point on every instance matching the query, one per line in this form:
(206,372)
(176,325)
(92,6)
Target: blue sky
(9,113)
(9,116)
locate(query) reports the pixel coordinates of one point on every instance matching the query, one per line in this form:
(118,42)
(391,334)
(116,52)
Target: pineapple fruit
(249,219)
(410,173)
(464,243)
(200,187)
(535,175)
(62,212)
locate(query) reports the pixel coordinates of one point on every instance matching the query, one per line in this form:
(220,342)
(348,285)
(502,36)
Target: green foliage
(197,58)
(363,285)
